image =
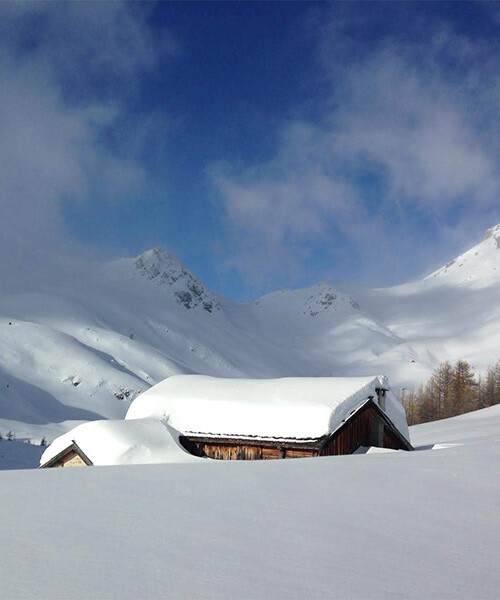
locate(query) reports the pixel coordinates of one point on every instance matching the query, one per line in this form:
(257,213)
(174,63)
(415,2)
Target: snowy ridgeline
(80,342)
(395,525)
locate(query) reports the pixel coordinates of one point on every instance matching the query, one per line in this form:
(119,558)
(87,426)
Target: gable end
(58,458)
(357,430)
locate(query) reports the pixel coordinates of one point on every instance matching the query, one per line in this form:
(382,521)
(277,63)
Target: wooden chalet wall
(354,433)
(226,449)
(358,431)
(391,441)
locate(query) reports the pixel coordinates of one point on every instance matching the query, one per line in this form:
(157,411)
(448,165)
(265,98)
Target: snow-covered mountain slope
(80,340)
(453,313)
(19,455)
(392,525)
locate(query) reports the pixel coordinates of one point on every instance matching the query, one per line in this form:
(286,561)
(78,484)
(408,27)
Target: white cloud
(91,48)
(420,118)
(66,72)
(274,210)
(415,126)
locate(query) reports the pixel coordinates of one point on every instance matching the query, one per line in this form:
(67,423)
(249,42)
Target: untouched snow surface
(478,426)
(80,341)
(19,455)
(398,525)
(287,408)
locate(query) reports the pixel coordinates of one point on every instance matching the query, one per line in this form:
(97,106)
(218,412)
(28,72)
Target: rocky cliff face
(494,233)
(165,270)
(324,298)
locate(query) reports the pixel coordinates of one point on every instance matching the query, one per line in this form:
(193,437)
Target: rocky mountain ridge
(163,269)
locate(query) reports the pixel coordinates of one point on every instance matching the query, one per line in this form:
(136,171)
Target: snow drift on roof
(132,442)
(302,408)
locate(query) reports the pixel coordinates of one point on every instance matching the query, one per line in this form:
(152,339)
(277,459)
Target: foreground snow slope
(478,426)
(80,340)
(396,525)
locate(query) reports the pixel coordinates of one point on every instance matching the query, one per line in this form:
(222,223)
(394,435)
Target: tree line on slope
(11,437)
(450,391)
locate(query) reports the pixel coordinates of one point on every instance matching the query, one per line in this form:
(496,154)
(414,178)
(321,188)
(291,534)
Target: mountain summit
(493,232)
(162,268)
(478,266)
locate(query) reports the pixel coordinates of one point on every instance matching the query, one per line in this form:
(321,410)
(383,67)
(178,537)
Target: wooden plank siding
(391,441)
(289,453)
(270,453)
(358,431)
(240,451)
(353,434)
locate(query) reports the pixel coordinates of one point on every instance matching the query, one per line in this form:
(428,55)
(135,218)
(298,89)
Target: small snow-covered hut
(115,442)
(292,417)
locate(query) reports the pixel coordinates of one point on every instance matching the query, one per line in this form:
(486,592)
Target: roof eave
(298,443)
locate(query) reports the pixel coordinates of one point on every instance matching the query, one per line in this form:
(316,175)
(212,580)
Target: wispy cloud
(422,122)
(67,73)
(408,134)
(276,209)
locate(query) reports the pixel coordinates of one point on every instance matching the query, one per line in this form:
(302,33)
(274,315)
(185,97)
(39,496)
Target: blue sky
(266,145)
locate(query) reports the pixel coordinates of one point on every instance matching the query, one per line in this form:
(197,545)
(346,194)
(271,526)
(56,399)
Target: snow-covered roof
(291,408)
(119,442)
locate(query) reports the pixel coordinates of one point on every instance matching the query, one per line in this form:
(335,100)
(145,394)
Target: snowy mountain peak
(156,261)
(479,266)
(165,270)
(310,301)
(493,232)
(325,297)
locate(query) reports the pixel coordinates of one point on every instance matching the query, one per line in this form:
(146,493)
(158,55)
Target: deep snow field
(399,525)
(79,344)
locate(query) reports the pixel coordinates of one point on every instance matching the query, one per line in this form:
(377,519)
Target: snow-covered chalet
(188,416)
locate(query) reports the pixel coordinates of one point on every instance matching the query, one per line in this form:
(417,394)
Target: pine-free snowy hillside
(390,525)
(80,340)
(453,313)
